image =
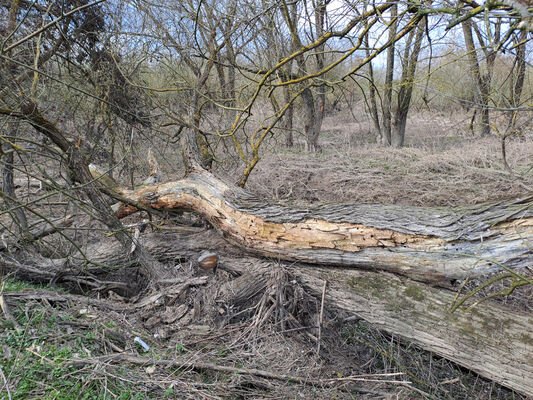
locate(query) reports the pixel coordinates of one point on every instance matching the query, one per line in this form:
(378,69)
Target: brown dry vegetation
(103,82)
(442,164)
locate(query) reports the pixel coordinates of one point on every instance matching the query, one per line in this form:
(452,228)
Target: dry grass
(93,344)
(440,165)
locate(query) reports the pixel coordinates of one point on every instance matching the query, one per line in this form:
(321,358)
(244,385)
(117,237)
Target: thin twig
(427,395)
(6,311)
(5,383)
(321,317)
(504,156)
(50,24)
(133,359)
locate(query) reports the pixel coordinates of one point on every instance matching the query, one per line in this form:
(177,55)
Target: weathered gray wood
(492,340)
(435,245)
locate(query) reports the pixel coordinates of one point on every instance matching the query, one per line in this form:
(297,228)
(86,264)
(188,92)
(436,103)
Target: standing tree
(390,129)
(409,62)
(313,103)
(482,80)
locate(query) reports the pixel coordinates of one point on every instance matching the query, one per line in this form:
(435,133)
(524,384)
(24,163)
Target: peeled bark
(431,244)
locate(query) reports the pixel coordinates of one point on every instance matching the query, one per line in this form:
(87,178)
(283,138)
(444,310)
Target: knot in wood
(151,198)
(28,107)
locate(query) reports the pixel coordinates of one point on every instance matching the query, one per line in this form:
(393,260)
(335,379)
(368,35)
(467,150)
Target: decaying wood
(492,340)
(431,244)
(428,244)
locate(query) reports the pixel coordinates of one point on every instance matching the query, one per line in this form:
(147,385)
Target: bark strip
(491,340)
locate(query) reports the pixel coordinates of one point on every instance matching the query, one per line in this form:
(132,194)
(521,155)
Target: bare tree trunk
(405,91)
(229,93)
(519,70)
(313,108)
(481,83)
(206,158)
(7,152)
(491,339)
(221,79)
(389,76)
(373,107)
(8,186)
(311,128)
(313,134)
(278,51)
(288,118)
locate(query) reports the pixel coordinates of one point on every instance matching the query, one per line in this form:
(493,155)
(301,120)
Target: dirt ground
(63,345)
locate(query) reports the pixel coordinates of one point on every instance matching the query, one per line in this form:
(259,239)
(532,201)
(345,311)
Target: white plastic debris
(141,342)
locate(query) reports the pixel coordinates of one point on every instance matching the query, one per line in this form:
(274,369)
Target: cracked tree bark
(429,244)
(491,339)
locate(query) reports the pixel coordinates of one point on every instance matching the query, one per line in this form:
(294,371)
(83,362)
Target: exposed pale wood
(427,244)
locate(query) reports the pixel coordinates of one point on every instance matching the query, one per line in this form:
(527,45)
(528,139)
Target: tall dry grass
(441,164)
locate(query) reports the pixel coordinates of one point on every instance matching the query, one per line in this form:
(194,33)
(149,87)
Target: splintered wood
(316,233)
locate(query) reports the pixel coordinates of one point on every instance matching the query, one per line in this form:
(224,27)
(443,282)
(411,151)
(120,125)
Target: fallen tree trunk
(436,245)
(492,340)
(430,244)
